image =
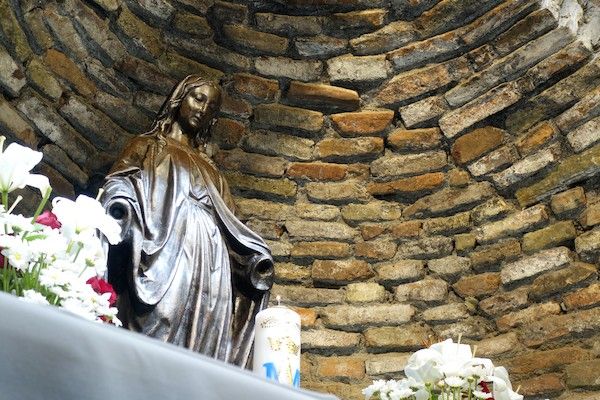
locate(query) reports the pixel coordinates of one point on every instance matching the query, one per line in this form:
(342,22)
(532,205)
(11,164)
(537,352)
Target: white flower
(15,163)
(31,296)
(454,381)
(79,308)
(19,255)
(423,366)
(481,395)
(80,218)
(502,386)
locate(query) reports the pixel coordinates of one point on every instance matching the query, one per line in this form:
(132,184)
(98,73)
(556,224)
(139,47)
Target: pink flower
(49,219)
(100,286)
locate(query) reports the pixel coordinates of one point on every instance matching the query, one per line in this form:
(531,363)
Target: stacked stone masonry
(422,169)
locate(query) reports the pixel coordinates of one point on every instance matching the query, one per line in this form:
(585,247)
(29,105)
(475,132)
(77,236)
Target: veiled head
(194,103)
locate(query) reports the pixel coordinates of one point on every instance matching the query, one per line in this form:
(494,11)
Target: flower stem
(5,199)
(42,204)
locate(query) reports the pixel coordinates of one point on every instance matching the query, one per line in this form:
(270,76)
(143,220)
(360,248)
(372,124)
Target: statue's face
(199,107)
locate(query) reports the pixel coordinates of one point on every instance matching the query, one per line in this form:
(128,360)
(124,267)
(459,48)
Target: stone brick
(408,164)
(571,169)
(511,66)
(400,271)
(397,338)
(392,36)
(489,257)
(179,67)
(341,390)
(310,230)
(375,249)
(427,290)
(149,101)
(525,30)
(418,82)
(336,192)
(505,302)
(65,36)
(371,231)
(556,234)
(494,161)
(255,164)
(425,111)
(322,96)
(450,200)
(516,223)
(349,149)
(527,315)
(473,328)
(321,250)
(567,201)
(492,209)
(317,171)
(145,40)
(450,267)
(146,75)
(320,212)
(453,224)
(43,80)
(283,67)
(362,19)
(355,318)
(586,108)
(408,229)
(373,211)
(417,54)
(209,52)
(249,208)
(498,345)
(531,266)
(60,185)
(411,186)
(192,24)
(340,272)
(528,166)
(342,368)
(57,158)
(356,69)
(584,374)
(384,364)
(429,247)
(308,317)
(276,144)
(477,143)
(464,241)
(585,135)
(255,40)
(446,313)
(575,275)
(536,137)
(588,244)
(477,285)
(256,87)
(282,188)
(307,297)
(365,292)
(583,298)
(225,11)
(364,123)
(414,139)
(560,326)
(591,215)
(228,133)
(289,25)
(287,272)
(266,229)
(495,100)
(62,66)
(13,32)
(14,125)
(279,249)
(123,113)
(320,46)
(288,117)
(329,341)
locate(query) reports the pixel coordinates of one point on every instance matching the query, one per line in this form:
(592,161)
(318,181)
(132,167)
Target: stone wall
(422,169)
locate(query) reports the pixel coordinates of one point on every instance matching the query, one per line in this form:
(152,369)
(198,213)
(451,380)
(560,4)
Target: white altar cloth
(48,354)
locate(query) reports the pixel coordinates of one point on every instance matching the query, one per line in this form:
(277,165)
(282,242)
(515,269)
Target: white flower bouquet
(446,371)
(53,257)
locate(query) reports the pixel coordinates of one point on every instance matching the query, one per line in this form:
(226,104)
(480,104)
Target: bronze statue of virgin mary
(188,271)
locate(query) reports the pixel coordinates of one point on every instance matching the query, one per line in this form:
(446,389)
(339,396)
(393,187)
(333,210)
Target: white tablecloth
(47,354)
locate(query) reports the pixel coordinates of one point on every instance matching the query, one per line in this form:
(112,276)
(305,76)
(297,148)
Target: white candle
(277,345)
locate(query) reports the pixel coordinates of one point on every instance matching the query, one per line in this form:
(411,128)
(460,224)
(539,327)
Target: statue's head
(194,104)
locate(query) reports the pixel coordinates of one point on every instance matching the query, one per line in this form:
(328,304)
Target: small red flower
(49,219)
(101,286)
(1,259)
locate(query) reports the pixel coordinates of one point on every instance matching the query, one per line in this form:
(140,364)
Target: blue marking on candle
(271,371)
(296,383)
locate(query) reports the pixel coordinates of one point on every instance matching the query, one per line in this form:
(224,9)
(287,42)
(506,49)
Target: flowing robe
(188,271)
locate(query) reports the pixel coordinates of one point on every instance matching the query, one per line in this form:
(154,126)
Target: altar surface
(46,353)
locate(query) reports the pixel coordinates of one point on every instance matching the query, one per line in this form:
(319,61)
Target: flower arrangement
(54,257)
(446,371)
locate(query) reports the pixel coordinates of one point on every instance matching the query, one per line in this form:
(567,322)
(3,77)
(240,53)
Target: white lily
(424,365)
(15,163)
(80,218)
(502,387)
